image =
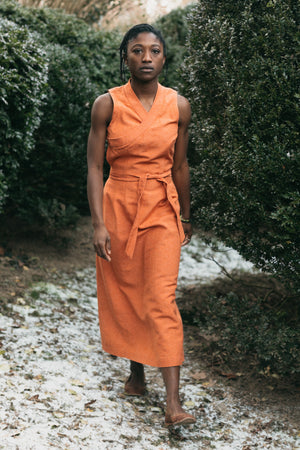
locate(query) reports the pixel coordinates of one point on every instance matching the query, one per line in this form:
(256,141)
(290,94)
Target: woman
(138,229)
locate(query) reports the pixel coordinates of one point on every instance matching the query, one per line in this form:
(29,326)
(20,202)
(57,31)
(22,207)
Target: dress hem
(141,361)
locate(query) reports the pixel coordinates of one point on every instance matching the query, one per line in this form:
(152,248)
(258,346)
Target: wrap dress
(138,315)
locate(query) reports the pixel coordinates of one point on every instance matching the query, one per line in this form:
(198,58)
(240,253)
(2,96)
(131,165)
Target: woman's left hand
(188,231)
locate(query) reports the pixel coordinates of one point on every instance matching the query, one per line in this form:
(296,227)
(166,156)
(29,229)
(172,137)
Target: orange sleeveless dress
(138,315)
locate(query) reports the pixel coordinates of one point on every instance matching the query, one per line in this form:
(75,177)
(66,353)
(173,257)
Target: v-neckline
(136,102)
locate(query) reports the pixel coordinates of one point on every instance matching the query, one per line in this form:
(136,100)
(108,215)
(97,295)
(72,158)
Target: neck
(146,89)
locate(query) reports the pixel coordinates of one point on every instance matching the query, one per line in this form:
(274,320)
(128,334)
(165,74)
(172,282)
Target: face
(145,56)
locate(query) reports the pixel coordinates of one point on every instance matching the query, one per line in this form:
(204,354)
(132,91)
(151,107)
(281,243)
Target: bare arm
(101,116)
(180,170)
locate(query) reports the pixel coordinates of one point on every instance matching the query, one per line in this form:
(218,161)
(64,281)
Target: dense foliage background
(237,64)
(55,66)
(174,28)
(241,78)
(23,77)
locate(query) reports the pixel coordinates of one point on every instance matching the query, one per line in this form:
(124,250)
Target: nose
(147,56)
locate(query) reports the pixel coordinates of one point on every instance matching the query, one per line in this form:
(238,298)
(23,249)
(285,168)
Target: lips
(146,69)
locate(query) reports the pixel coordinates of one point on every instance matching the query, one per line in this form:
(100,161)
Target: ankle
(173,403)
(137,369)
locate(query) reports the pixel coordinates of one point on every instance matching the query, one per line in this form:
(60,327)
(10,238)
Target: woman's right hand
(102,243)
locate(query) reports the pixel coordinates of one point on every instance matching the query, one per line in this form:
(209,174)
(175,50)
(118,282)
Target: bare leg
(135,385)
(174,409)
(171,380)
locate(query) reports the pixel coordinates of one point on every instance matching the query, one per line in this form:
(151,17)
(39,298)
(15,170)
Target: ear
(164,60)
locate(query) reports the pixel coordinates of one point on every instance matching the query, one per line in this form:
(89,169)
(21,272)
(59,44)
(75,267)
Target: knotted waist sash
(142,181)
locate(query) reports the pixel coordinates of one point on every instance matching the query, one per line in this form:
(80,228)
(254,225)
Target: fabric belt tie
(142,181)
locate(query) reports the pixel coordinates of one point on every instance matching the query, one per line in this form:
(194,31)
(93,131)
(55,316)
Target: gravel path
(59,390)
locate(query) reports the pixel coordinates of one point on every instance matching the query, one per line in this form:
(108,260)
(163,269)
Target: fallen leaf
(89,348)
(4,367)
(86,405)
(30,350)
(39,377)
(34,398)
(156,409)
(189,403)
(199,376)
(209,383)
(77,383)
(20,301)
(230,376)
(76,426)
(72,392)
(209,337)
(58,414)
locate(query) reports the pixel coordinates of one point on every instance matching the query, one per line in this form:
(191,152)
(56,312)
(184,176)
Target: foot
(182,418)
(135,386)
(176,415)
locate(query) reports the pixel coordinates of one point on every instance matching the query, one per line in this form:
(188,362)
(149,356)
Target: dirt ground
(27,258)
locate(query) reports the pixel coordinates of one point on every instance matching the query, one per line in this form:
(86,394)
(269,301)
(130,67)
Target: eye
(136,50)
(156,51)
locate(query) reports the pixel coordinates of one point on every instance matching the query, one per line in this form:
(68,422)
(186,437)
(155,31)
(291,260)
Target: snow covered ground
(59,390)
(202,263)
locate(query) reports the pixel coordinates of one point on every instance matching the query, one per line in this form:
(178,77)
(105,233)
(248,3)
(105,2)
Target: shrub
(249,328)
(83,63)
(97,49)
(241,78)
(246,320)
(56,171)
(23,77)
(174,28)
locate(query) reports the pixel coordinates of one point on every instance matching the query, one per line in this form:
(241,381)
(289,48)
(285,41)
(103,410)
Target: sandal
(179,419)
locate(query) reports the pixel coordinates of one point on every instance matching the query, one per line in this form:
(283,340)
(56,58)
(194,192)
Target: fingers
(108,246)
(103,250)
(187,239)
(188,231)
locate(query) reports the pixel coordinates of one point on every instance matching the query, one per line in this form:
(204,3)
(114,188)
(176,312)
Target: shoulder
(184,109)
(102,108)
(104,101)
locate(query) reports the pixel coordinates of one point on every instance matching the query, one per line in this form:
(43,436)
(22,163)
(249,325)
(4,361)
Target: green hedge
(23,77)
(50,187)
(174,28)
(97,49)
(54,178)
(241,78)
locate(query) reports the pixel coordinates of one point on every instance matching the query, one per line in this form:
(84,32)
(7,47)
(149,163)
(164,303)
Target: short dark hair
(131,34)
